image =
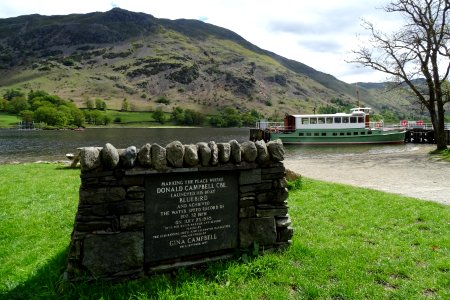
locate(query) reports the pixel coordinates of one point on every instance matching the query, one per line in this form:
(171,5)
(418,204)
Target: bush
(295,185)
(163,100)
(159,116)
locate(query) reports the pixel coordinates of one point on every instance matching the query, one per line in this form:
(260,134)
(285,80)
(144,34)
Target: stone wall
(111,232)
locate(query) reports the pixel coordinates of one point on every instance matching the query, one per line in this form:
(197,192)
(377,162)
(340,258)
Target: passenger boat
(340,128)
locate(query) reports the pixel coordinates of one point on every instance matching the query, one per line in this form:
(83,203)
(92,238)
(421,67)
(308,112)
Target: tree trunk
(439,128)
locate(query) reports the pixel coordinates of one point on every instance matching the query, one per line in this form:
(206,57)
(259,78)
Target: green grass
(7,120)
(349,243)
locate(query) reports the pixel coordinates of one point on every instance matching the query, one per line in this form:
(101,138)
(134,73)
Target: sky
(320,34)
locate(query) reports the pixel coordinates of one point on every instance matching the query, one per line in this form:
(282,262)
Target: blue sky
(320,34)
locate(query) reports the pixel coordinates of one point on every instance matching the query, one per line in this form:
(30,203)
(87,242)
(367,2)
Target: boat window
(355,133)
(341,133)
(329,120)
(370,132)
(349,133)
(334,133)
(320,120)
(324,134)
(313,120)
(363,132)
(353,119)
(301,134)
(316,134)
(308,134)
(345,120)
(305,121)
(337,120)
(360,119)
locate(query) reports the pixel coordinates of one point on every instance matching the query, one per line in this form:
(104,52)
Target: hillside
(120,55)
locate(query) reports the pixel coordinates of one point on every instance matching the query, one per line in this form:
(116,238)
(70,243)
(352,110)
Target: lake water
(35,145)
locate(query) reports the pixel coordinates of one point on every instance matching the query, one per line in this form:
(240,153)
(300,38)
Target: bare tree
(418,49)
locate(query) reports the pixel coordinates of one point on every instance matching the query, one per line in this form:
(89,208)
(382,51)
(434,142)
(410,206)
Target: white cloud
(317,33)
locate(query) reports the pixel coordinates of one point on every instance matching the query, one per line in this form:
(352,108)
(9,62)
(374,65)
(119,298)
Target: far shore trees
(418,49)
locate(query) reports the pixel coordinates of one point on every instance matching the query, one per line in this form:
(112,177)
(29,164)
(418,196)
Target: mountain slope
(120,55)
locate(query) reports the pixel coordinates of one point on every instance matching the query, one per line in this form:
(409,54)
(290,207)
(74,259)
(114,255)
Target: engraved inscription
(190,213)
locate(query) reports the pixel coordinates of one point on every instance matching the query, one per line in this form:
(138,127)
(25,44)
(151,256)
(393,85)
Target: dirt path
(412,173)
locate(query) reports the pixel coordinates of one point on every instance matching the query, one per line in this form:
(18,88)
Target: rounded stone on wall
(224,152)
(214,153)
(263,153)
(128,157)
(249,151)
(204,153)
(235,155)
(90,158)
(159,160)
(109,156)
(190,155)
(276,150)
(175,154)
(145,156)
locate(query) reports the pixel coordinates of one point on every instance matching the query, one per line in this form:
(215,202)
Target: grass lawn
(349,243)
(7,120)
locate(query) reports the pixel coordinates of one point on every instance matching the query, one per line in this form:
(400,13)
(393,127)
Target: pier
(423,134)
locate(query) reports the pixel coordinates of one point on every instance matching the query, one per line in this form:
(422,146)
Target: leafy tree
(178,115)
(36,94)
(17,104)
(163,100)
(26,116)
(159,115)
(89,104)
(3,104)
(12,93)
(418,49)
(100,104)
(51,116)
(125,105)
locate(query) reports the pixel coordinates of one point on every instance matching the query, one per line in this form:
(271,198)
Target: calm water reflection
(30,146)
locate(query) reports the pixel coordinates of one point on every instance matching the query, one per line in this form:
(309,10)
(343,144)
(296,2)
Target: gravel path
(412,173)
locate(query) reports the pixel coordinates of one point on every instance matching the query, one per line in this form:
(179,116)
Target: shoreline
(413,173)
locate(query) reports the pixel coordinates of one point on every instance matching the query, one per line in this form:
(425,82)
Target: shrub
(163,100)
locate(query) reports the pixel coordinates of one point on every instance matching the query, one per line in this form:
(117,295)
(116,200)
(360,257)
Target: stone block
(252,176)
(247,212)
(285,234)
(133,221)
(109,254)
(283,222)
(102,195)
(257,230)
(255,187)
(271,212)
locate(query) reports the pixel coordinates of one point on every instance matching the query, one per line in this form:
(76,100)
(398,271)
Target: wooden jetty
(424,134)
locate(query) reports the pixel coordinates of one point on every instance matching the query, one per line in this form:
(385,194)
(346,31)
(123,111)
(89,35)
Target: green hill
(120,54)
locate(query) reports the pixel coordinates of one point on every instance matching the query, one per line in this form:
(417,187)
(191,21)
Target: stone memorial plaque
(189,214)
